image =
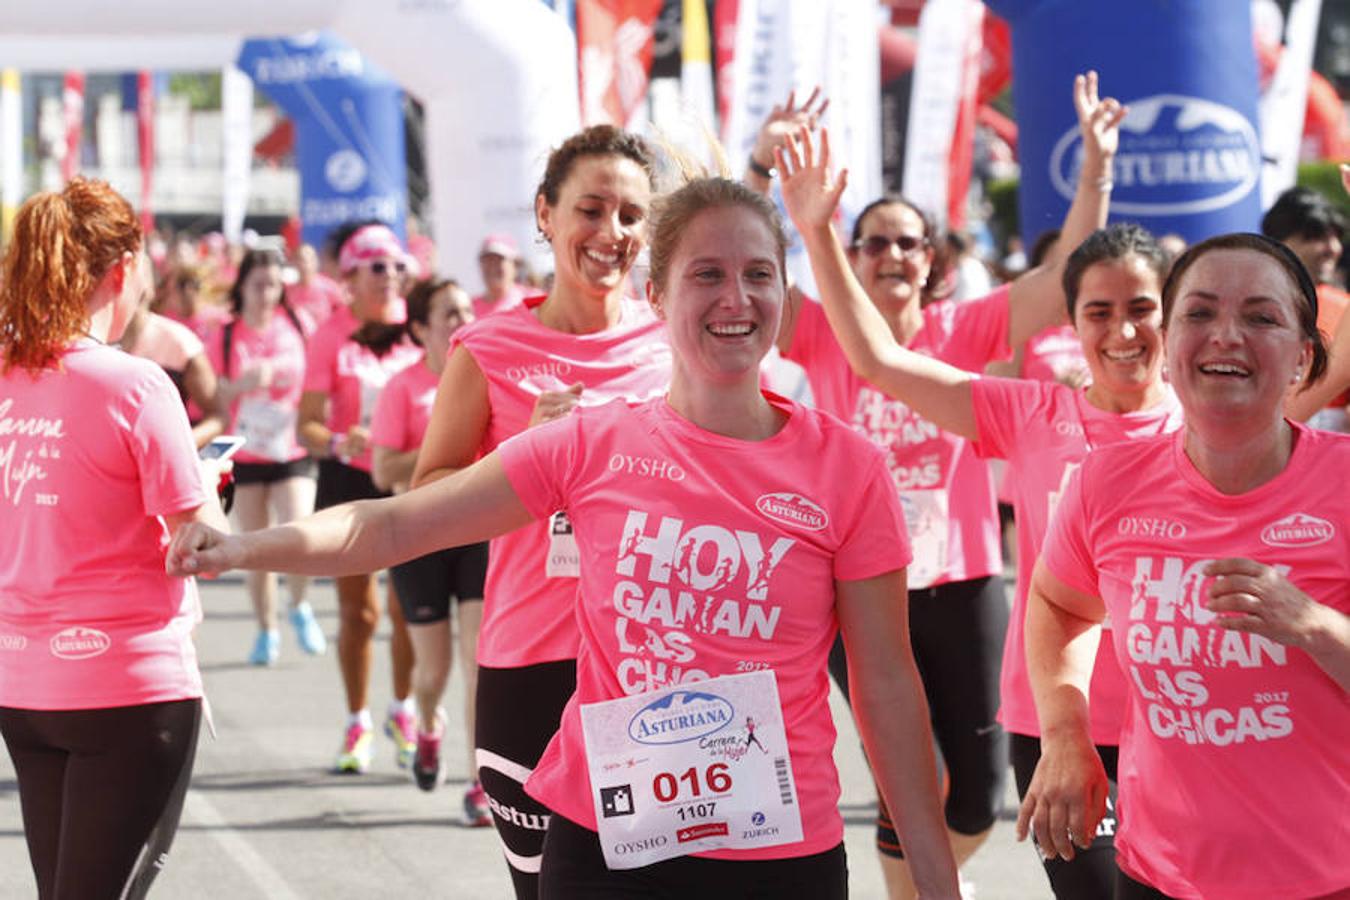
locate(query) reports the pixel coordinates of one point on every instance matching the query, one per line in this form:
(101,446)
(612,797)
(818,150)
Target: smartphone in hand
(222,447)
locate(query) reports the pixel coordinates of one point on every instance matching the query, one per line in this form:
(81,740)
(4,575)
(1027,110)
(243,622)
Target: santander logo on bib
(78,642)
(1298,530)
(793,509)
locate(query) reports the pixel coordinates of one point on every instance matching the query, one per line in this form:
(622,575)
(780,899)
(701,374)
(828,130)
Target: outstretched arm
(1036,299)
(937,391)
(472,505)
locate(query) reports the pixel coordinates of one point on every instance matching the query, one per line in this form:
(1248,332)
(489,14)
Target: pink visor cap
(499,245)
(374,242)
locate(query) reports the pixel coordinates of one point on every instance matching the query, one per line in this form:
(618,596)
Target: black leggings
(101,792)
(1092,873)
(957,632)
(574,869)
(518,711)
(1129,889)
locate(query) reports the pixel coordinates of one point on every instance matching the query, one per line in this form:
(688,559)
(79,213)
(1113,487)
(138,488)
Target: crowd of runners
(649,564)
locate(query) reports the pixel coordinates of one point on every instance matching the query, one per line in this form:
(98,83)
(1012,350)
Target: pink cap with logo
(374,242)
(499,245)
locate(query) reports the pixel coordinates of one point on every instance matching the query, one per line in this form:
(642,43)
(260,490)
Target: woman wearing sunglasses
(344,372)
(958,611)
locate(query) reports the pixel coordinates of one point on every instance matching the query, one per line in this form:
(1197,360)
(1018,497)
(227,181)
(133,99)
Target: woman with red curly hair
(100,695)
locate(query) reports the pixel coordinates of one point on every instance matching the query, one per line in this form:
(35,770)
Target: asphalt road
(265,818)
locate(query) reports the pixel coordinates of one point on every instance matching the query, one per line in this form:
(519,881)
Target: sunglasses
(878,244)
(380,267)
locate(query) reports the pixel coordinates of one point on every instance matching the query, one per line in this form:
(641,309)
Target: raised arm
(937,391)
(781,122)
(473,505)
(892,714)
(1067,795)
(1036,299)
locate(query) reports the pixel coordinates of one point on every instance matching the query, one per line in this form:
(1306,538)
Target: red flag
(145,137)
(614,41)
(72,105)
(963,139)
(724,56)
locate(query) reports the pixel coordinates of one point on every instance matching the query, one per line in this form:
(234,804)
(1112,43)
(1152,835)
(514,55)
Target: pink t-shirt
(404,408)
(92,456)
(948,492)
(515,296)
(352,376)
(1053,354)
(527,603)
(1234,759)
(681,550)
(265,416)
(1044,430)
(319,299)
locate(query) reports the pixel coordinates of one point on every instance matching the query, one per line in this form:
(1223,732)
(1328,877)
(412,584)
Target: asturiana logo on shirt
(1298,530)
(680,716)
(793,509)
(79,642)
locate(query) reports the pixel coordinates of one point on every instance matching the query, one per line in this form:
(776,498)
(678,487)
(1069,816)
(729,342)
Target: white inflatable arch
(497,78)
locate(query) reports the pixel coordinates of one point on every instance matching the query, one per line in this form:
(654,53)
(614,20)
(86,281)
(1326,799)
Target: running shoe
(266,648)
(308,634)
(477,812)
(426,764)
(357,750)
(401,727)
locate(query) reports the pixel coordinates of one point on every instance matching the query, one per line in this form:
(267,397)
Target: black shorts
(340,483)
(426,585)
(272,472)
(574,869)
(956,631)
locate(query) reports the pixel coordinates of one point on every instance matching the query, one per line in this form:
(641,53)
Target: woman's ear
(542,214)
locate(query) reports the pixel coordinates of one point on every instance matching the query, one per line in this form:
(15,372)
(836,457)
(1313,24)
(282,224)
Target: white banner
(783,46)
(236,132)
(1285,102)
(939,68)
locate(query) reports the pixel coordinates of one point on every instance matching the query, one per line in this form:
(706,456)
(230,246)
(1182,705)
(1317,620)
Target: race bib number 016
(691,768)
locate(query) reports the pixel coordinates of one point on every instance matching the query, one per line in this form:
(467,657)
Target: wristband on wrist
(332,444)
(764,172)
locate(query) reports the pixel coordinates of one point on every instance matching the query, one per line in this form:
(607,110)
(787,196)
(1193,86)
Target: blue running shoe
(266,649)
(308,634)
